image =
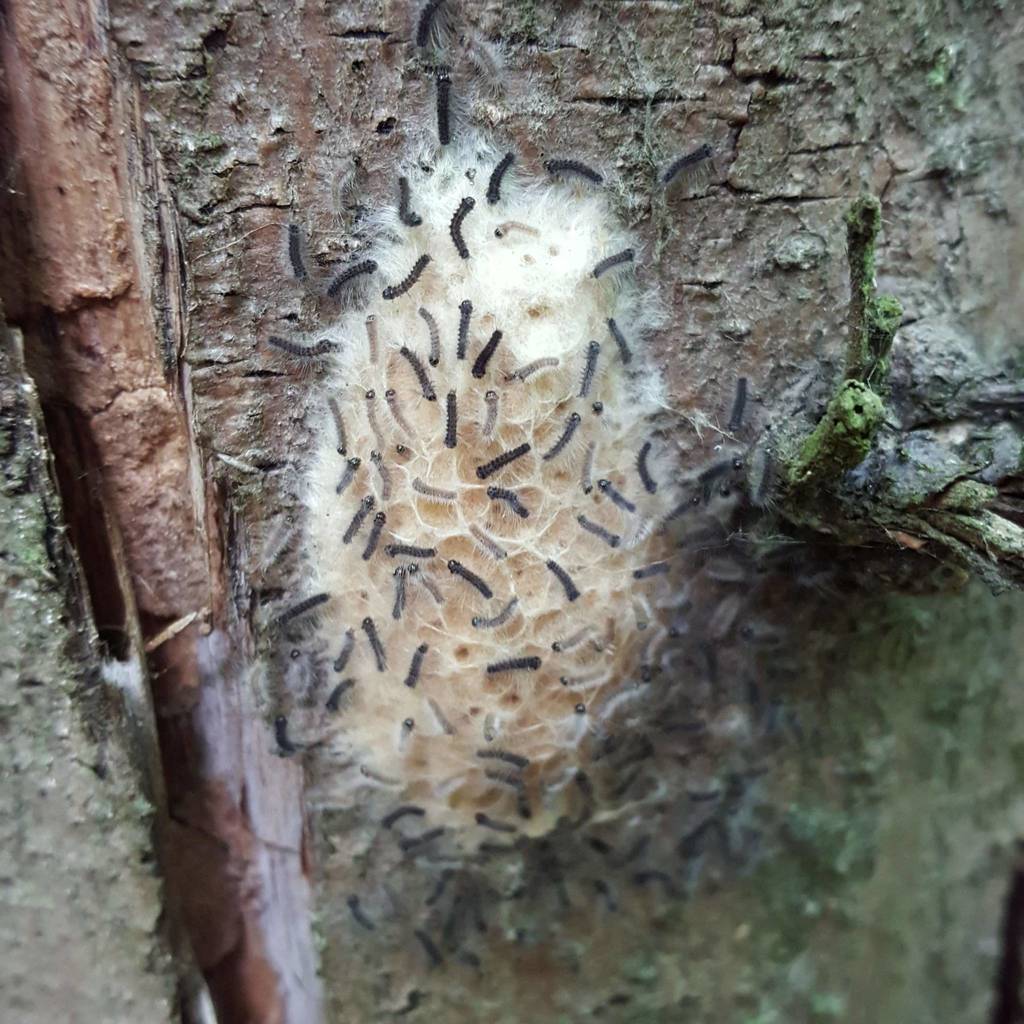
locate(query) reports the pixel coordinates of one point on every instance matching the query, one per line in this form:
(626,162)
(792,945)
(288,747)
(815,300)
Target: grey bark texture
(156,152)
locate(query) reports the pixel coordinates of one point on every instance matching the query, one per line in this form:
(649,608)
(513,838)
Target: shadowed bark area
(156,160)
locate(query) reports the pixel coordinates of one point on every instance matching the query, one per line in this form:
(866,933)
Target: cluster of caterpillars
(522,612)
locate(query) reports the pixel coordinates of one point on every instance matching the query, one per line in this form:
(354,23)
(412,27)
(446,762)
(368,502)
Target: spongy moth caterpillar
(413,675)
(502,460)
(738,406)
(510,498)
(391,397)
(346,651)
(489,544)
(456,568)
(465,312)
(650,484)
(617,259)
(491,415)
(480,622)
(689,165)
(370,629)
(494,184)
(435,336)
(398,606)
(607,488)
(570,588)
(576,167)
(571,423)
(426,22)
(406,215)
(440,494)
(371,543)
(351,465)
(350,274)
(620,340)
(365,507)
(455,225)
(613,540)
(484,357)
(421,373)
(339,424)
(295,253)
(334,699)
(544,363)
(528,663)
(315,351)
(451,420)
(444,87)
(589,368)
(394,291)
(301,608)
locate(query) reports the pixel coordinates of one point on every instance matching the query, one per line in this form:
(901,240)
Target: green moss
(843,437)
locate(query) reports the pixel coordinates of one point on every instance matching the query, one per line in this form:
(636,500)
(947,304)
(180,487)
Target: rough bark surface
(206,127)
(84,934)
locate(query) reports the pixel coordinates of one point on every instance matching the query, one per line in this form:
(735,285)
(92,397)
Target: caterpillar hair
(346,650)
(426,22)
(465,312)
(620,340)
(339,424)
(399,605)
(304,606)
(434,493)
(581,170)
(411,842)
(391,397)
(405,811)
(501,461)
(357,913)
(413,675)
(455,226)
(589,368)
(689,163)
(571,423)
(370,629)
(491,546)
(350,274)
(371,542)
(510,498)
(491,416)
(433,953)
(435,336)
(333,702)
(572,641)
(321,348)
(494,184)
(514,225)
(409,551)
(385,475)
(587,470)
(421,374)
(739,406)
(365,507)
(647,571)
(615,260)
(371,338)
(444,88)
(479,622)
(516,760)
(571,590)
(498,826)
(406,215)
(295,252)
(285,747)
(451,420)
(544,363)
(650,484)
(607,488)
(456,568)
(613,540)
(394,291)
(480,364)
(529,663)
(371,416)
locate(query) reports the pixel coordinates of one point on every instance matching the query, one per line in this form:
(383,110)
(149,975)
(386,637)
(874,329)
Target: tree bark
(155,156)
